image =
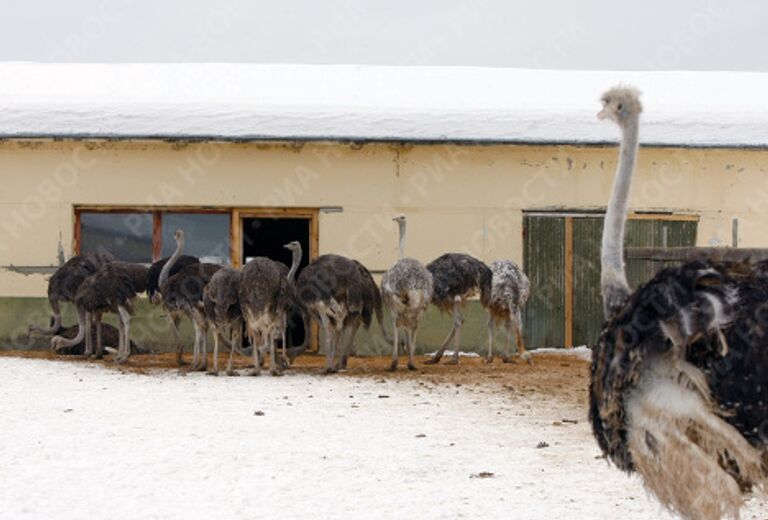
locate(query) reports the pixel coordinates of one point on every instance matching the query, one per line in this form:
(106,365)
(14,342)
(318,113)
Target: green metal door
(544,263)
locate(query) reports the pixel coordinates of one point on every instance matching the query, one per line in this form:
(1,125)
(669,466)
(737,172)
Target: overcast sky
(573,34)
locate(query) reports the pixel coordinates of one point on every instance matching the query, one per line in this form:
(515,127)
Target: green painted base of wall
(150,328)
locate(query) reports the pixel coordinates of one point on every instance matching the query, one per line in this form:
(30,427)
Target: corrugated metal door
(545,239)
(544,263)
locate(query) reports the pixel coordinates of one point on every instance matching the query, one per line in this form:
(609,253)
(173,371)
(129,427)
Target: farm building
(496,163)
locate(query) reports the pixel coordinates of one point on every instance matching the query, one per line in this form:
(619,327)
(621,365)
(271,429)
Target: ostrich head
(399,218)
(294,245)
(178,235)
(621,104)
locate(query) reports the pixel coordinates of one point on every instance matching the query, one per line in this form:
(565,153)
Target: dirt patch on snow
(552,375)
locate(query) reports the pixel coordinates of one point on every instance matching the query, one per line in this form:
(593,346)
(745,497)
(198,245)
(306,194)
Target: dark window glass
(206,235)
(128,236)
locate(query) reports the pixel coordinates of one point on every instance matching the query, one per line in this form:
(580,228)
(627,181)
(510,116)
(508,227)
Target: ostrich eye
(620,106)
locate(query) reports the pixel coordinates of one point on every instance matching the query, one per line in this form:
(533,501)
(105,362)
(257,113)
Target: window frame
(236,215)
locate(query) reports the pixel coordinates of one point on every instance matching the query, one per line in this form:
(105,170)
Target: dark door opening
(263,236)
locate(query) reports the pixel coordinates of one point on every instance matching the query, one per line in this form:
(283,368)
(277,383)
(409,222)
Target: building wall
(457,198)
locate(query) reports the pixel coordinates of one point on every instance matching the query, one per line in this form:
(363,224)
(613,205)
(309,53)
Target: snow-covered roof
(372,103)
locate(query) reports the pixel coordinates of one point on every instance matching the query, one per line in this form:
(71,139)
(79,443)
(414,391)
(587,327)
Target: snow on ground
(82,441)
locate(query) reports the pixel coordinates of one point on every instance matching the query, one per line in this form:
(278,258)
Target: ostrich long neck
(613,279)
(169,264)
(294,264)
(401,245)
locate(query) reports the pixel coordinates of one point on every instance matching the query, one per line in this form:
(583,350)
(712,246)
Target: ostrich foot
(393,366)
(274,371)
(526,356)
(121,360)
(330,370)
(233,373)
(488,359)
(432,361)
(508,359)
(212,373)
(285,363)
(452,361)
(254,371)
(411,366)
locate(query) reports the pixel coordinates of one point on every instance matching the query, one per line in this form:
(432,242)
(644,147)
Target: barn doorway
(266,236)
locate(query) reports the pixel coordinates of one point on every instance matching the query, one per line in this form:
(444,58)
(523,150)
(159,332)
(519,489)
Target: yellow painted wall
(457,198)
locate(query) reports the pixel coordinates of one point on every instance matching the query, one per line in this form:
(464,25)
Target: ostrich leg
(203,344)
(439,354)
(458,321)
(411,347)
(236,336)
(517,323)
(348,339)
(99,345)
(215,370)
(506,356)
(125,348)
(330,352)
(489,357)
(395,345)
(175,321)
(88,349)
(196,348)
(274,369)
(256,357)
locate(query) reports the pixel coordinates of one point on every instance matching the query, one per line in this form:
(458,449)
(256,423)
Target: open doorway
(266,236)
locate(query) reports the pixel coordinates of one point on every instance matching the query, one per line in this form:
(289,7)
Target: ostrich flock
(335,291)
(678,387)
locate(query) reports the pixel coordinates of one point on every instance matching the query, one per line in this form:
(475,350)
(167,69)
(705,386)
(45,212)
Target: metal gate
(561,255)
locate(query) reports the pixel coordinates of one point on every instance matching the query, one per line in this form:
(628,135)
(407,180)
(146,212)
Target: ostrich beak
(603,114)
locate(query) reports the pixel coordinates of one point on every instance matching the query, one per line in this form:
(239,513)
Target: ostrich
(509,292)
(331,290)
(266,291)
(183,294)
(109,334)
(456,277)
(678,387)
(63,286)
(407,291)
(153,291)
(222,309)
(111,289)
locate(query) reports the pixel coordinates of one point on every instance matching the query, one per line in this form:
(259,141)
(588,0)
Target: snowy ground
(81,441)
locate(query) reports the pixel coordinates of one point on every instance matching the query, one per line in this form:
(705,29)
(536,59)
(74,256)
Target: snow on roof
(362,103)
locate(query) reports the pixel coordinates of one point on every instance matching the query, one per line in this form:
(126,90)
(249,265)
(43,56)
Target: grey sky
(587,34)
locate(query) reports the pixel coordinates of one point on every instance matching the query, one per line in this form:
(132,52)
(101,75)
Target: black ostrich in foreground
(63,286)
(111,289)
(183,295)
(679,380)
(331,290)
(155,296)
(455,278)
(265,294)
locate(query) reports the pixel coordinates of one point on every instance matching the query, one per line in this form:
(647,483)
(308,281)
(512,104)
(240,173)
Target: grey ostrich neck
(401,245)
(294,264)
(172,260)
(613,278)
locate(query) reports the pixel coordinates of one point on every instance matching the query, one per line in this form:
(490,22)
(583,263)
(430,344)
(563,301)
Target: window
(206,234)
(146,236)
(128,236)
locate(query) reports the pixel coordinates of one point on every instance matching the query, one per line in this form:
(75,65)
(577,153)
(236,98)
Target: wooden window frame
(236,213)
